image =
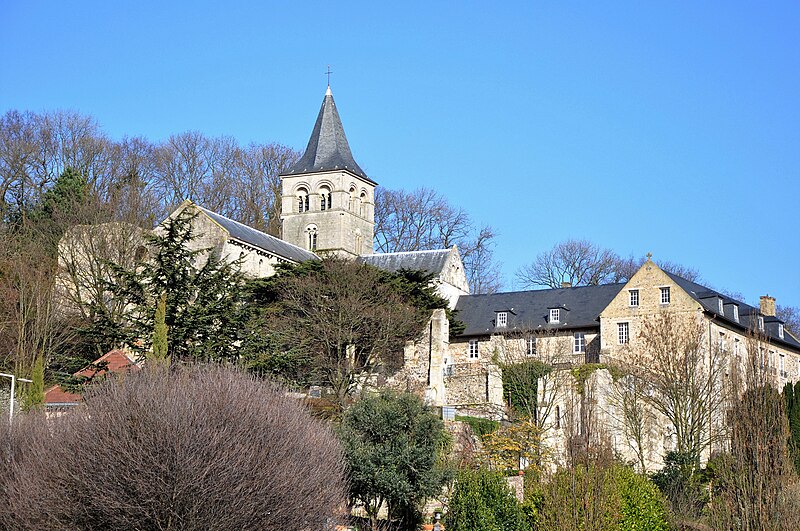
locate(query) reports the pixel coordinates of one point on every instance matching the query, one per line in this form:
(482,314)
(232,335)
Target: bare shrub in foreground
(191,448)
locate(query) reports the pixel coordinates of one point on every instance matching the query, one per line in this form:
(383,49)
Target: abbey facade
(591,337)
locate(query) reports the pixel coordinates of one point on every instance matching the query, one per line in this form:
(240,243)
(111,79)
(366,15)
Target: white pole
(13,386)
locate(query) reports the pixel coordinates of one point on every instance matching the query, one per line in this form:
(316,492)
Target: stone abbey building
(328,209)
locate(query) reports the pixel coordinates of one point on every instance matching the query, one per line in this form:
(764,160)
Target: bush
(191,448)
(602,495)
(483,501)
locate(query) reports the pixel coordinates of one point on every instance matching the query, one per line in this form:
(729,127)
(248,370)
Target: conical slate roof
(327,148)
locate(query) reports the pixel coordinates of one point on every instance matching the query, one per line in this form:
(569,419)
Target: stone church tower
(327,199)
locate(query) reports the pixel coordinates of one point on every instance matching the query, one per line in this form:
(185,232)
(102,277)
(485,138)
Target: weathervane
(329,75)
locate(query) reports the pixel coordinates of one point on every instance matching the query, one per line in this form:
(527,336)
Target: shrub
(483,501)
(598,494)
(191,448)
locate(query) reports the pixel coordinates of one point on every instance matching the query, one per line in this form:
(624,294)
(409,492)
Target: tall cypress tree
(791,395)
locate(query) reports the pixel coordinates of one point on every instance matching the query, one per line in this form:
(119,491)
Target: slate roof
(260,239)
(327,148)
(748,315)
(527,310)
(429,261)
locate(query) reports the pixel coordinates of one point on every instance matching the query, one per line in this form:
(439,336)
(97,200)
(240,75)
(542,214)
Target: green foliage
(602,495)
(683,484)
(204,313)
(34,397)
(160,341)
(481,427)
(643,506)
(330,321)
(791,395)
(582,372)
(395,449)
(483,501)
(520,385)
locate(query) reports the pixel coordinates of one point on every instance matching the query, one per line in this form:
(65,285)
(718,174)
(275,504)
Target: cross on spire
(329,75)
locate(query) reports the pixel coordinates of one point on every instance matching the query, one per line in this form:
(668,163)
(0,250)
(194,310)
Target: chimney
(767,305)
(566,284)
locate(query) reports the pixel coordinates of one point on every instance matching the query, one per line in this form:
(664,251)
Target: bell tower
(327,201)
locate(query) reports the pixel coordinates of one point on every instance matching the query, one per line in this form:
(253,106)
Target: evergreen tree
(791,396)
(34,397)
(394,447)
(160,345)
(203,310)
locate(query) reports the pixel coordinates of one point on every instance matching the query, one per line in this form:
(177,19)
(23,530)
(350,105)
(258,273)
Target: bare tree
(681,376)
(790,315)
(757,486)
(583,263)
(256,199)
(423,219)
(578,262)
(188,448)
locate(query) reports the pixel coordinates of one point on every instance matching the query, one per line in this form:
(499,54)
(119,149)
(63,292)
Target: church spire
(327,148)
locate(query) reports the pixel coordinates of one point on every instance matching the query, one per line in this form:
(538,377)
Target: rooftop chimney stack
(767,305)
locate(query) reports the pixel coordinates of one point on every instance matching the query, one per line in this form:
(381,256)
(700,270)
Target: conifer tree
(203,313)
(160,345)
(34,397)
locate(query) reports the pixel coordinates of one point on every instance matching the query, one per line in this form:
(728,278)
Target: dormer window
(760,323)
(634,297)
(780,330)
(502,319)
(664,295)
(736,312)
(719,304)
(555,315)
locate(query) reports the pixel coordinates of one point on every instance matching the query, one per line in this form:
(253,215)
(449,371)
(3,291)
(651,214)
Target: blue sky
(663,127)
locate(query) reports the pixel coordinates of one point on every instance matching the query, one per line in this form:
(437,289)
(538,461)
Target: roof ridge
(409,252)
(248,227)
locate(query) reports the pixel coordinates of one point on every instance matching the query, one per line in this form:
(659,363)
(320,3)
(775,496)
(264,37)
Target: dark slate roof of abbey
(530,310)
(327,148)
(259,239)
(429,261)
(748,315)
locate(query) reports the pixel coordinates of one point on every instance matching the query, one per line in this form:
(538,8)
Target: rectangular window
(473,349)
(780,330)
(530,345)
(623,333)
(736,312)
(502,319)
(558,418)
(721,308)
(736,347)
(782,364)
(580,343)
(760,323)
(555,315)
(634,294)
(721,343)
(665,295)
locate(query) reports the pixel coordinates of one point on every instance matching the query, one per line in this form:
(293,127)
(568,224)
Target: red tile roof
(114,361)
